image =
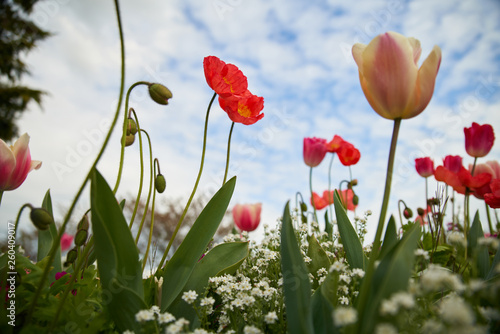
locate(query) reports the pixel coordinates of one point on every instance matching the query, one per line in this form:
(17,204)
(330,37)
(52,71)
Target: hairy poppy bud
(81,237)
(303,207)
(131,127)
(159,93)
(160,183)
(420,211)
(355,199)
(129,139)
(407,213)
(41,218)
(71,256)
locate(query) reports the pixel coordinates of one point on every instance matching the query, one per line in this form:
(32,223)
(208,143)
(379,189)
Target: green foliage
(46,239)
(296,286)
(178,269)
(479,254)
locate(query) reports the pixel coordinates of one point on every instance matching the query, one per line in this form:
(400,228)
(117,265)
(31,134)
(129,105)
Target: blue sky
(296,54)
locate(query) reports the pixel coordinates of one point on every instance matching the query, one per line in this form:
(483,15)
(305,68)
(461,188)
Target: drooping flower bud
(420,211)
(129,139)
(84,223)
(71,256)
(355,199)
(160,183)
(41,218)
(81,237)
(159,93)
(131,127)
(407,213)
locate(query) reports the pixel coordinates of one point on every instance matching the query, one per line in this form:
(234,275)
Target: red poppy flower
(334,144)
(347,194)
(479,140)
(493,198)
(318,202)
(244,108)
(348,154)
(314,151)
(224,79)
(442,174)
(424,166)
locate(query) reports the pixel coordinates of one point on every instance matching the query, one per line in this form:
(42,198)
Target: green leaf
(318,256)
(390,238)
(329,287)
(296,286)
(222,259)
(46,238)
(117,257)
(496,260)
(352,246)
(328,225)
(391,275)
(182,263)
(322,314)
(479,254)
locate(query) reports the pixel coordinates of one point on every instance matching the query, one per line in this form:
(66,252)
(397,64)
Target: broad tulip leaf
(117,257)
(390,238)
(392,275)
(350,240)
(479,254)
(322,314)
(318,256)
(493,268)
(180,266)
(329,287)
(296,286)
(46,239)
(222,259)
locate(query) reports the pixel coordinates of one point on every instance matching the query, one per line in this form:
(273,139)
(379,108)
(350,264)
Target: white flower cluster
(398,300)
(437,278)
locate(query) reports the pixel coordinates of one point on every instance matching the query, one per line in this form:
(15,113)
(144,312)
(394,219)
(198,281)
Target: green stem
(195,185)
(57,241)
(1,195)
(312,197)
(367,280)
(490,225)
(141,180)
(228,152)
(152,221)
(151,185)
(19,216)
(330,200)
(122,152)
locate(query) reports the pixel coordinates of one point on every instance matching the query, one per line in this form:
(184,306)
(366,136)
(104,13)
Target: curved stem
(151,185)
(312,197)
(19,216)
(228,152)
(125,118)
(57,241)
(195,185)
(330,200)
(365,287)
(145,259)
(141,180)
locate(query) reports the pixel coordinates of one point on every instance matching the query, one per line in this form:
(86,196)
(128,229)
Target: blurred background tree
(18,36)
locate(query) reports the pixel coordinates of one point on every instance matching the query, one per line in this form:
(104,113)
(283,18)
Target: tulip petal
(425,83)
(389,72)
(7,164)
(357,53)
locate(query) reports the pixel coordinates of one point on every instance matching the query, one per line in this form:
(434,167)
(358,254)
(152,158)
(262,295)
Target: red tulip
(348,154)
(247,216)
(314,151)
(224,79)
(15,163)
(244,108)
(424,166)
(453,163)
(392,82)
(479,140)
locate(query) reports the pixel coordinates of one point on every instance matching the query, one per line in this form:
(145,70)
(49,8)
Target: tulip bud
(131,127)
(160,183)
(81,237)
(407,213)
(159,93)
(41,218)
(355,199)
(420,211)
(83,224)
(71,256)
(129,139)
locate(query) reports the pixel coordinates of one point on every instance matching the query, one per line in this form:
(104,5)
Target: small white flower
(270,318)
(343,316)
(457,238)
(422,253)
(488,242)
(189,296)
(346,278)
(251,330)
(155,309)
(404,299)
(207,301)
(128,332)
(200,331)
(456,312)
(389,307)
(344,300)
(144,315)
(337,266)
(385,329)
(164,318)
(358,272)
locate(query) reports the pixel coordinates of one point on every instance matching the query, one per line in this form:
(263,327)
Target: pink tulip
(392,82)
(479,140)
(15,163)
(247,216)
(314,151)
(424,166)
